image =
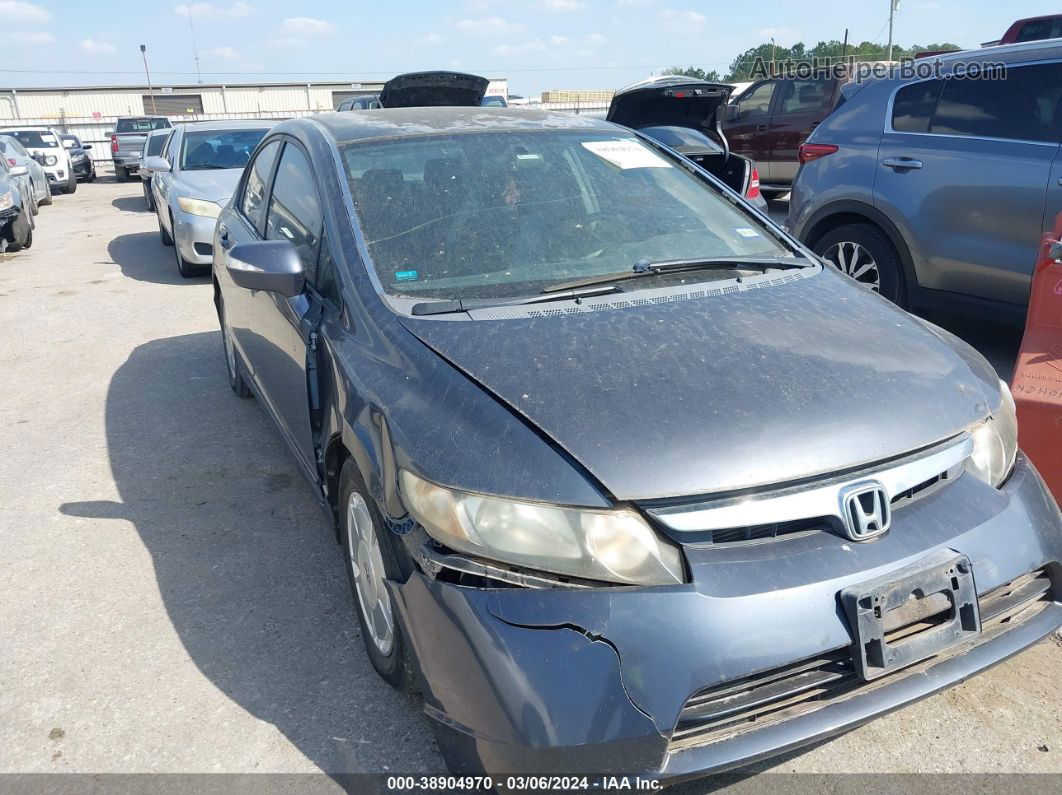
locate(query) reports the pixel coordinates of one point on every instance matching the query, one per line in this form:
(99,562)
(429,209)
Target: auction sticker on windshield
(626,154)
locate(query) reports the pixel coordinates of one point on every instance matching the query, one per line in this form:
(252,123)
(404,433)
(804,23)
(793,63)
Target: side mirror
(18,171)
(270,265)
(155,163)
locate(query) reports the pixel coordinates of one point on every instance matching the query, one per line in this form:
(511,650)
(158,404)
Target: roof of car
(29,128)
(236,124)
(359,125)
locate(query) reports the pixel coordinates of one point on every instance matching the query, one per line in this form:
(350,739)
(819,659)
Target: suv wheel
(120,174)
(862,252)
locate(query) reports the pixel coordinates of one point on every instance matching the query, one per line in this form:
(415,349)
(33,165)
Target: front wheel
(71,184)
(864,253)
(167,238)
(369,561)
(47,196)
(236,382)
(148,197)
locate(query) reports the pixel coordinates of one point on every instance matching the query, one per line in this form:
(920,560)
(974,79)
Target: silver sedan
(194,178)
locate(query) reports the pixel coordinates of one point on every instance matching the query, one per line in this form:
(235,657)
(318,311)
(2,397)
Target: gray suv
(937,191)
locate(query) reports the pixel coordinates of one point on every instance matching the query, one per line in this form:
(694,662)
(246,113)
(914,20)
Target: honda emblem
(866,511)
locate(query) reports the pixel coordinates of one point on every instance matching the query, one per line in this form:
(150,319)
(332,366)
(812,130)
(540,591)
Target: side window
(1023,107)
(914,105)
(804,96)
(252,204)
(326,283)
(756,101)
(1041,29)
(295,209)
(171,149)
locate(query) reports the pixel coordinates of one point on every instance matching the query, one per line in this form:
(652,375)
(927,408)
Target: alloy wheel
(366,562)
(853,260)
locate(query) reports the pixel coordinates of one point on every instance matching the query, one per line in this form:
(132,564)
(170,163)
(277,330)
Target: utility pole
(772,56)
(894,6)
(195,50)
(147,74)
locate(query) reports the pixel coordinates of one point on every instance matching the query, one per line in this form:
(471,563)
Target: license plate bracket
(912,614)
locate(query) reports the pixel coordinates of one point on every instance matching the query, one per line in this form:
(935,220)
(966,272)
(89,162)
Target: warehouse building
(90,112)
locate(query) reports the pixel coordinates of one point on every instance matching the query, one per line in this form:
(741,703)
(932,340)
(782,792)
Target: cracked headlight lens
(202,207)
(995,442)
(612,546)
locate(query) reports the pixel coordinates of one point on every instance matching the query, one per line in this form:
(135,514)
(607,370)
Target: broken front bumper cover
(596,680)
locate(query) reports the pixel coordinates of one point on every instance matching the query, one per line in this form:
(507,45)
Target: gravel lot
(174,601)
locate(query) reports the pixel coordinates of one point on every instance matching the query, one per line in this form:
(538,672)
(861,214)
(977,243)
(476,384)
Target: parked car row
(564,393)
(34,162)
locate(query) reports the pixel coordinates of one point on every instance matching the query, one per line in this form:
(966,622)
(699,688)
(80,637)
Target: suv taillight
(114,143)
(754,185)
(809,152)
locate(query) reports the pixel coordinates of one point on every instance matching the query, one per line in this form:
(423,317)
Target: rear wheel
(862,252)
(369,561)
(121,174)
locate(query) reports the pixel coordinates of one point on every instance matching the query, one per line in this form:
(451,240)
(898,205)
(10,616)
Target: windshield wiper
(644,267)
(467,304)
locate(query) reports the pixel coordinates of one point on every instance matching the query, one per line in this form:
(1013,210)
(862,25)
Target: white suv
(46,148)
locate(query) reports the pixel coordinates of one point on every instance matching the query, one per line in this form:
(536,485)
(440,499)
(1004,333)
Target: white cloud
(23,12)
(535,45)
(210,10)
(564,5)
(227,53)
(595,38)
(306,26)
(684,17)
(634,3)
(97,47)
(27,37)
(489,25)
(558,39)
(430,38)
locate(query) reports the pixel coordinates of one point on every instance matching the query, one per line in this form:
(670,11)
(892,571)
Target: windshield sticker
(744,231)
(405,276)
(626,154)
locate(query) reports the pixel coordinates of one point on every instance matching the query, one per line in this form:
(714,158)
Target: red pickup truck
(1031,29)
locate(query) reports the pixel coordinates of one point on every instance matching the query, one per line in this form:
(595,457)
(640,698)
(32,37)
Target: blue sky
(537,44)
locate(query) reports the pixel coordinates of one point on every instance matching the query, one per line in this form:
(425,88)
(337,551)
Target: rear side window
(294,208)
(914,105)
(1041,29)
(804,96)
(1023,107)
(253,203)
(155,144)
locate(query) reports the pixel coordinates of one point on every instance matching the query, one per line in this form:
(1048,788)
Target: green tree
(742,66)
(712,76)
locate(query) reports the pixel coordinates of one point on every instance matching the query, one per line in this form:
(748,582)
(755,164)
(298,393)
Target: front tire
(232,365)
(147,196)
(71,184)
(863,252)
(167,238)
(369,559)
(47,196)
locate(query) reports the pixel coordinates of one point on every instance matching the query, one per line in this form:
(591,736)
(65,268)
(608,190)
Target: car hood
(670,102)
(427,89)
(215,185)
(726,392)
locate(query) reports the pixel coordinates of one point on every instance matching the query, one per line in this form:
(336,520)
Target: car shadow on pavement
(142,256)
(247,564)
(130,204)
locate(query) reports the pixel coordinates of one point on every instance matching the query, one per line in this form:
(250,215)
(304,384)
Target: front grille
(779,694)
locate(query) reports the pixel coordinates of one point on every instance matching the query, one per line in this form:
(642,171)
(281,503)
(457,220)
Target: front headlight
(996,442)
(50,160)
(613,546)
(199,207)
(7,200)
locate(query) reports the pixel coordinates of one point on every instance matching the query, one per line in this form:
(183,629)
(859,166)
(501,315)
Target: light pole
(147,74)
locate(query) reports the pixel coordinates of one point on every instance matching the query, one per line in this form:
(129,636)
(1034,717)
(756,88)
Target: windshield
(141,125)
(35,138)
(503,214)
(218,148)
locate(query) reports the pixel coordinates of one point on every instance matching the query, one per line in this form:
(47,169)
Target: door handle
(223,236)
(761,128)
(901,163)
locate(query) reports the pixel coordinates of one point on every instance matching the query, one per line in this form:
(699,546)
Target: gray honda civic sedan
(625,480)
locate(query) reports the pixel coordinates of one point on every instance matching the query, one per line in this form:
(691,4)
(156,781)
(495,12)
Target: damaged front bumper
(602,680)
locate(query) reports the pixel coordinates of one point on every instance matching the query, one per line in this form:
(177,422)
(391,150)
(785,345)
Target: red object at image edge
(1037,382)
